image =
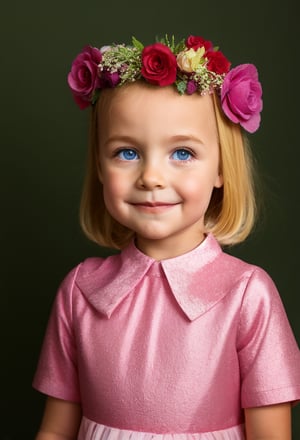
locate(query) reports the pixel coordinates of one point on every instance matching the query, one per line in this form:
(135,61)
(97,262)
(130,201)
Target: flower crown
(192,65)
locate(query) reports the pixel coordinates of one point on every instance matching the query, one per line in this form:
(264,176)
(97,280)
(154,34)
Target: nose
(151,176)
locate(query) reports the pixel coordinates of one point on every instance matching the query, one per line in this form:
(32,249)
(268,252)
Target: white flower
(189,60)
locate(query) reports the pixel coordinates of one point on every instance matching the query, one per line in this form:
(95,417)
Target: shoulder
(89,267)
(234,273)
(240,266)
(85,273)
(256,290)
(257,281)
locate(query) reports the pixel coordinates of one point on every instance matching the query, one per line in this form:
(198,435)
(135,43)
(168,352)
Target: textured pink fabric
(177,346)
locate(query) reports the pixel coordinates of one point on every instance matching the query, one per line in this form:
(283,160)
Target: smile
(154,207)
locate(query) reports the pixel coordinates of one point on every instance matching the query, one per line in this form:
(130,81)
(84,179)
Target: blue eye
(182,154)
(127,154)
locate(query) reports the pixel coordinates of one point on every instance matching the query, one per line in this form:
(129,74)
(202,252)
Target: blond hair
(232,209)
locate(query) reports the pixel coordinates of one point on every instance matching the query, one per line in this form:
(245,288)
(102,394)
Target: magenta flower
(83,78)
(241,97)
(109,79)
(191,87)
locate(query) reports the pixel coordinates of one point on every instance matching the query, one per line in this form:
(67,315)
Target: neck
(165,249)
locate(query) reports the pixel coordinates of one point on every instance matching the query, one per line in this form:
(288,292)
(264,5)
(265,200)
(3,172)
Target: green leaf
(137,44)
(95,96)
(180,46)
(181,87)
(170,42)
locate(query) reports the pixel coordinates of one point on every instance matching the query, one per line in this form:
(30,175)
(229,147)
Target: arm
(61,420)
(269,422)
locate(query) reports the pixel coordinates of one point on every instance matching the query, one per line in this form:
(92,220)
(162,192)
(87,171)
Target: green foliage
(137,44)
(181,87)
(180,46)
(95,96)
(170,42)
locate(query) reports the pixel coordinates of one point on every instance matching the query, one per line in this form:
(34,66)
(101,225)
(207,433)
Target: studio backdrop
(43,153)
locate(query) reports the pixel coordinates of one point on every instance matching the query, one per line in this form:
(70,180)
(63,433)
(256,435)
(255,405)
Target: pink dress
(172,348)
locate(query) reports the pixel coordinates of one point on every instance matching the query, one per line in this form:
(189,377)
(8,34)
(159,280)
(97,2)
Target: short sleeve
(56,373)
(268,352)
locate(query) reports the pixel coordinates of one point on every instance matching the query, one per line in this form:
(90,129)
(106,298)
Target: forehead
(141,107)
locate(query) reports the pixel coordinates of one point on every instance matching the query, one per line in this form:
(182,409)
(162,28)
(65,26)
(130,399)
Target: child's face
(159,160)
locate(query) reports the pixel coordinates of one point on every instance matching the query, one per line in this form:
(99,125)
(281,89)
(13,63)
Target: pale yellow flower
(189,60)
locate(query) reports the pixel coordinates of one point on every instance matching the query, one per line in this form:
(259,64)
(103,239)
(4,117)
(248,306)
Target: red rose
(195,43)
(217,62)
(159,65)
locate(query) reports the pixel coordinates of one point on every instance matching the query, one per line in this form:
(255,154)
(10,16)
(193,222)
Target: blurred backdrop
(43,149)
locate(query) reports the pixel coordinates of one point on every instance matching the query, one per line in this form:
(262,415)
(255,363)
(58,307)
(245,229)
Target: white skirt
(90,430)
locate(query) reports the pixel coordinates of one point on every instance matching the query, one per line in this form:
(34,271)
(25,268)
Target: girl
(171,336)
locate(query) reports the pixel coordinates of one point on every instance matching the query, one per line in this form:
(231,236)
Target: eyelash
(122,152)
(185,151)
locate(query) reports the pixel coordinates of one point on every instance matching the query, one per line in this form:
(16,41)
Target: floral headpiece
(192,65)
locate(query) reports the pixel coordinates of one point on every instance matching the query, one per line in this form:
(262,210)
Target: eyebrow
(119,138)
(175,138)
(186,137)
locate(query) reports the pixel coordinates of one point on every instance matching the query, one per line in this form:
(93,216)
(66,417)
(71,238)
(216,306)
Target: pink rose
(217,62)
(193,42)
(241,97)
(159,65)
(83,77)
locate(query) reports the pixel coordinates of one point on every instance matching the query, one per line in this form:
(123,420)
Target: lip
(154,207)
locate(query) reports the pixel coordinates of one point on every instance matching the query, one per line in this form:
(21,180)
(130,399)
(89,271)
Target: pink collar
(198,279)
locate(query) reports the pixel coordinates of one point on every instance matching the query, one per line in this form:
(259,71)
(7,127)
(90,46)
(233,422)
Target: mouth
(154,204)
(154,207)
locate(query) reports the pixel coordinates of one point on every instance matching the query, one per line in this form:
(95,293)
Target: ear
(219,181)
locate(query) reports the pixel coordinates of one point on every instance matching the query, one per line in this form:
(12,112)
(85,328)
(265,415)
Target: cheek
(114,186)
(198,189)
(191,183)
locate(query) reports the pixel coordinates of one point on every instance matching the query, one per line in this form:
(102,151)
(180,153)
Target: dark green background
(43,144)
